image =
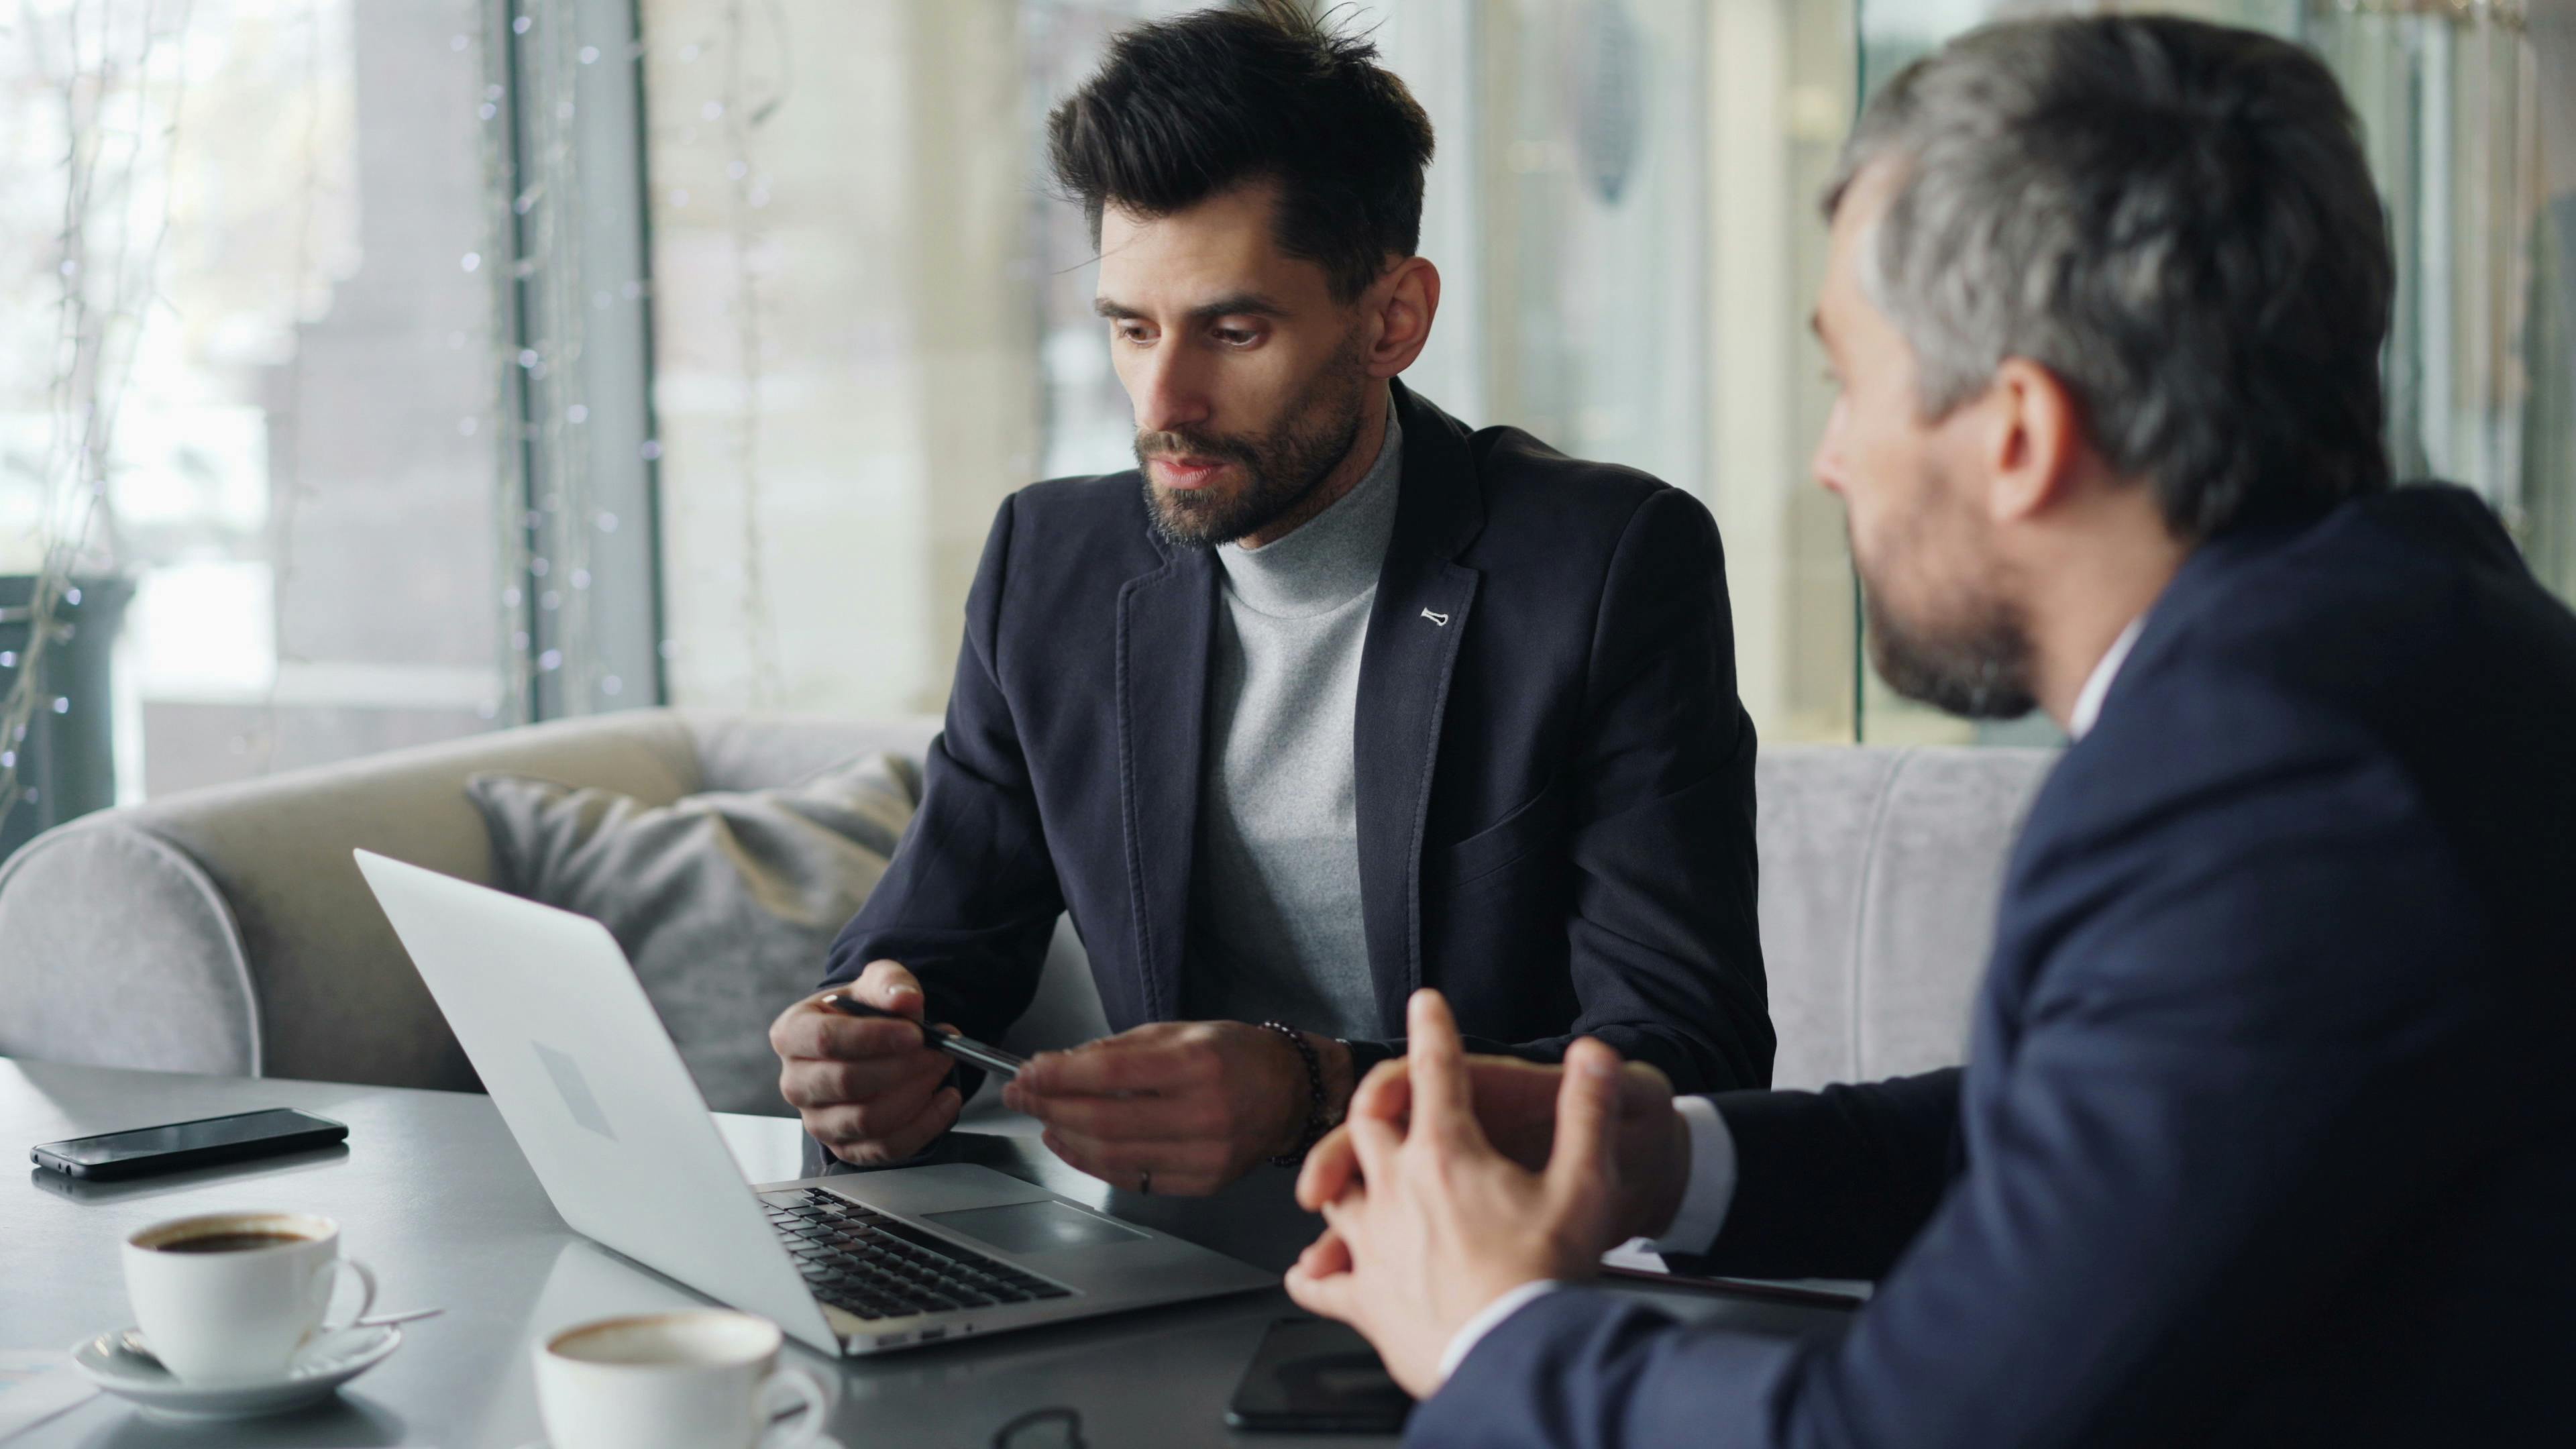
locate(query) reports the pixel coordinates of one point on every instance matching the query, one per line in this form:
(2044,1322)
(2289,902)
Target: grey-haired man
(2268,1131)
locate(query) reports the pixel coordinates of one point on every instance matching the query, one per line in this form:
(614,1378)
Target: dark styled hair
(1188,107)
(2176,219)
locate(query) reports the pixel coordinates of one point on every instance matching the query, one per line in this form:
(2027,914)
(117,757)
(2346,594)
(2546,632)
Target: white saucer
(320,1367)
(822,1442)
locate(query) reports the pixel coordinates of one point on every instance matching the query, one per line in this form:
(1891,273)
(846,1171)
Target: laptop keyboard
(873,1266)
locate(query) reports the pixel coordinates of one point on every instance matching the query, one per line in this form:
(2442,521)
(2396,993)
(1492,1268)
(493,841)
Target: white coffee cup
(230,1297)
(704,1379)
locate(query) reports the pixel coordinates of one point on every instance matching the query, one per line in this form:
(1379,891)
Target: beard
(1979,670)
(1281,468)
(1971,658)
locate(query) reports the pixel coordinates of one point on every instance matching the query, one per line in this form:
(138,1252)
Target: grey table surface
(432,1192)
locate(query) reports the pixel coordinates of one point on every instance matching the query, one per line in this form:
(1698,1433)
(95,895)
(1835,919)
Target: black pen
(965,1049)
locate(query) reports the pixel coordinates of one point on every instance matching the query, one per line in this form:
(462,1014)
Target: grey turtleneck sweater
(1275,931)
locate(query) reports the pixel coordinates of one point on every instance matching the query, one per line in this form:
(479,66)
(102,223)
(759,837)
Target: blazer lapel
(1424,600)
(1165,619)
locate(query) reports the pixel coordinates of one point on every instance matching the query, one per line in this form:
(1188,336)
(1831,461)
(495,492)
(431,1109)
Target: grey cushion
(726,902)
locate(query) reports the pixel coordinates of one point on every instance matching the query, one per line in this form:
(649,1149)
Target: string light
(546,182)
(128,82)
(742,114)
(512,524)
(288,492)
(530,255)
(107,278)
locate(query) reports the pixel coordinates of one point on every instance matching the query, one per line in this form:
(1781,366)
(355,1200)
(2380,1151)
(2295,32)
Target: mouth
(1186,474)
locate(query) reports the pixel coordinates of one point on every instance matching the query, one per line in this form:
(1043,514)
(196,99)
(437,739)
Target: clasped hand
(1458,1179)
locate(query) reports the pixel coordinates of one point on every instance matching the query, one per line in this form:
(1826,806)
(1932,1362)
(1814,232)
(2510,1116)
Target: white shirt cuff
(1711,1188)
(1473,1332)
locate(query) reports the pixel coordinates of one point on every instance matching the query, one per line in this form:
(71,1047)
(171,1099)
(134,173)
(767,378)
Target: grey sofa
(228,931)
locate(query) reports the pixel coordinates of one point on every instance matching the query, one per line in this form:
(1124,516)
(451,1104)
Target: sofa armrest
(116,950)
(239,914)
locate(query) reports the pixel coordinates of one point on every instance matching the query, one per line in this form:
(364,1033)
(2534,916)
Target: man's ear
(1405,300)
(2037,437)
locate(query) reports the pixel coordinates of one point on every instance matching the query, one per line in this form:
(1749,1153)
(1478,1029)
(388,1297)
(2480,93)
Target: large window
(246,393)
(374,373)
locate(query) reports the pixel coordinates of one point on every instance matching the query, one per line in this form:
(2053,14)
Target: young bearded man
(2268,1129)
(1333,699)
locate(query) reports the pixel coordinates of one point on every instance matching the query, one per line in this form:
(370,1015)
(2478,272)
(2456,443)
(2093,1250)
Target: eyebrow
(1237,304)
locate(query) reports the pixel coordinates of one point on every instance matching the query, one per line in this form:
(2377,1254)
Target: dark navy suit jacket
(1554,776)
(2268,1130)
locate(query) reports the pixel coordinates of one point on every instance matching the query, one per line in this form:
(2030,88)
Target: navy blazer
(2268,1130)
(1554,776)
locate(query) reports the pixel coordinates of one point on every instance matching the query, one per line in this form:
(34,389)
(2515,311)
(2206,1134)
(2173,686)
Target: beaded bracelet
(1316,1123)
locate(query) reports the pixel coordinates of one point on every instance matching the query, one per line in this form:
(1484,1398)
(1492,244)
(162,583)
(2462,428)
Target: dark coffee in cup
(228,1243)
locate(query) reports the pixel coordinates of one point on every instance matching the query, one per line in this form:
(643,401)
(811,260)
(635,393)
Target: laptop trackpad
(1033,1227)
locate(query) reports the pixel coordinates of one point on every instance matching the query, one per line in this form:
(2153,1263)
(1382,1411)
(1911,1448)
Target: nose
(1166,388)
(1827,463)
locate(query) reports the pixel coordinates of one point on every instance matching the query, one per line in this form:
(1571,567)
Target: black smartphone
(145,1150)
(1314,1376)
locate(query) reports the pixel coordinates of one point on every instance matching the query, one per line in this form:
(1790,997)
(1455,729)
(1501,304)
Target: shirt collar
(2088,702)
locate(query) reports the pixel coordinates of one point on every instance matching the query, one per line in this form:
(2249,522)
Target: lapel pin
(1440,619)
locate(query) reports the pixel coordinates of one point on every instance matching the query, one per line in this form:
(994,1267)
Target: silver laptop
(551,1015)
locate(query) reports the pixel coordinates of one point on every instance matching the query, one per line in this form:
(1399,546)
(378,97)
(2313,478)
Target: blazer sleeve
(1665,955)
(2267,1033)
(1833,1184)
(971,897)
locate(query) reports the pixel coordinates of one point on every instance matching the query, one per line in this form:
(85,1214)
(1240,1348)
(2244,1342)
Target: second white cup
(703,1379)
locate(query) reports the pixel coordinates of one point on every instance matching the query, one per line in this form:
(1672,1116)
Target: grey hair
(2175,219)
